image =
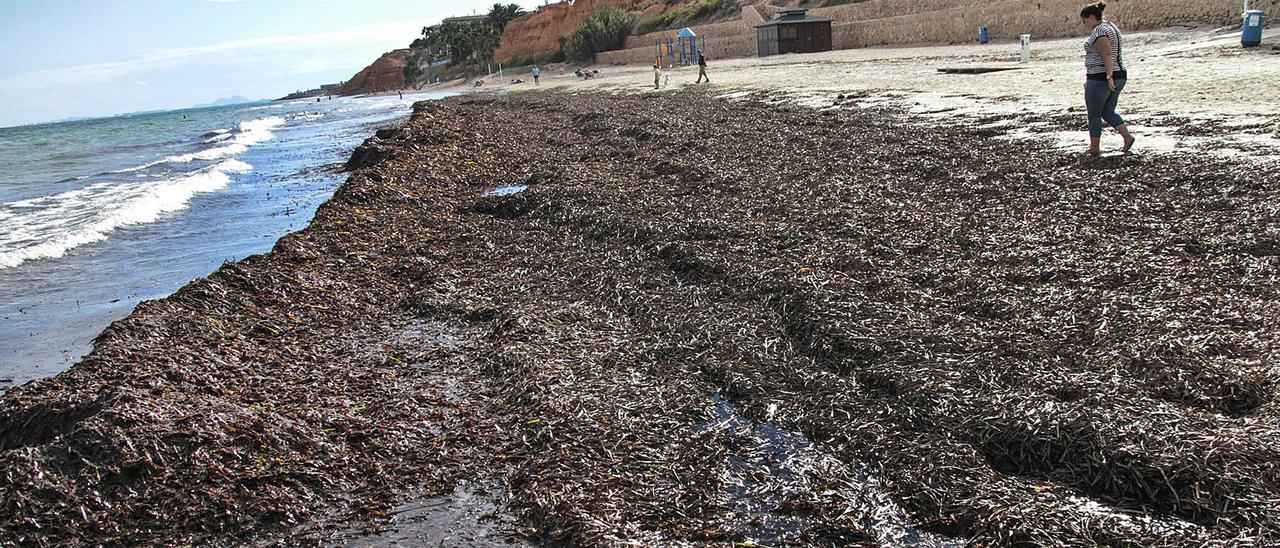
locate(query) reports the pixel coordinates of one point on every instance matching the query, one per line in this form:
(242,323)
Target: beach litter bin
(1252,34)
(983,35)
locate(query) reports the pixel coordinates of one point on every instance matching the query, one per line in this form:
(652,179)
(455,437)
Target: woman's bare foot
(1091,152)
(1128,143)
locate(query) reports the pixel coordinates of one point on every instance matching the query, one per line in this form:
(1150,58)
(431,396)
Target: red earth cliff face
(539,32)
(384,74)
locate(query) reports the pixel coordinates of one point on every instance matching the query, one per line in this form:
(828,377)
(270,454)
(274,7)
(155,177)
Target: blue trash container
(983,35)
(1252,34)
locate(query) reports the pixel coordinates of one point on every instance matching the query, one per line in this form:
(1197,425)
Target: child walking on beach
(657,75)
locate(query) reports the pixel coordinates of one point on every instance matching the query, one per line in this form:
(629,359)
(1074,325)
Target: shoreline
(688,280)
(54,307)
(560,343)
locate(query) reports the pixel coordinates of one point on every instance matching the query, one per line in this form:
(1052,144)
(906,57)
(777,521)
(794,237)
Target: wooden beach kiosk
(793,31)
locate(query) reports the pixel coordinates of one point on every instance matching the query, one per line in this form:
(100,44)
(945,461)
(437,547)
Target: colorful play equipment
(681,51)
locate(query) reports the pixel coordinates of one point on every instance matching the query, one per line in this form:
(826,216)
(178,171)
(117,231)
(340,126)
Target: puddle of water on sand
(1162,140)
(1137,521)
(1255,141)
(505,190)
(469,516)
(426,333)
(780,465)
(437,333)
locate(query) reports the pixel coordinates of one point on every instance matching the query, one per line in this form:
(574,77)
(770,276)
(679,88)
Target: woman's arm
(1103,45)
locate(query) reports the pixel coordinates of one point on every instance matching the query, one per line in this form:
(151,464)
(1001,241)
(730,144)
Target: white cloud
(385,35)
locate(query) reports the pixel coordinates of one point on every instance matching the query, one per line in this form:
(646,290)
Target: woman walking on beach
(1106,76)
(537,75)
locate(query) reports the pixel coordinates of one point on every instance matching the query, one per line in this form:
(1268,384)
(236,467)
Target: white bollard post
(1026,48)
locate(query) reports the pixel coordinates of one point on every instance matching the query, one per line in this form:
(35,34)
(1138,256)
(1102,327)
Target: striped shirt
(1093,61)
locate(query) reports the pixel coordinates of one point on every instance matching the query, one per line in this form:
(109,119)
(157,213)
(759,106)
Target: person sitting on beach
(1104,65)
(537,74)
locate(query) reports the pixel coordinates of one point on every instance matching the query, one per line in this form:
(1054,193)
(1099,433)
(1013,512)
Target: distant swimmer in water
(401,94)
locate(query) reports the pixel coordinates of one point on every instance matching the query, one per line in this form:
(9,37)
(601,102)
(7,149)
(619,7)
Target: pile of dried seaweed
(1012,344)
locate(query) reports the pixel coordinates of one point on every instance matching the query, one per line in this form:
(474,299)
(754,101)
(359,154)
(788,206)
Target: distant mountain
(233,100)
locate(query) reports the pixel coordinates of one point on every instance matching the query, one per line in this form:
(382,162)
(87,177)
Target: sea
(98,215)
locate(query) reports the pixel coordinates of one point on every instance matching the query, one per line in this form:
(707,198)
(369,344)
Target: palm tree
(500,15)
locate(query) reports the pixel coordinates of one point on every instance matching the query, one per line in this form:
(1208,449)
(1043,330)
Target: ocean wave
(135,168)
(216,135)
(49,226)
(248,133)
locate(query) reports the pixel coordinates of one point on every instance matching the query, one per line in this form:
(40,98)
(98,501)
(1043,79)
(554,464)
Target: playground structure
(682,51)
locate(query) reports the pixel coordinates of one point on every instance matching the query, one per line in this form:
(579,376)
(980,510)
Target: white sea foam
(249,133)
(230,143)
(49,226)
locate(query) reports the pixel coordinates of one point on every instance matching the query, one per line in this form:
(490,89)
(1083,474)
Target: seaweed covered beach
(683,319)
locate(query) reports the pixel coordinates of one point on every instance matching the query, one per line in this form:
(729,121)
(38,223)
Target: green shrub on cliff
(698,13)
(605,29)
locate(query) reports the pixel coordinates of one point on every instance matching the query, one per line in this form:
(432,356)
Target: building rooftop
(466,19)
(793,16)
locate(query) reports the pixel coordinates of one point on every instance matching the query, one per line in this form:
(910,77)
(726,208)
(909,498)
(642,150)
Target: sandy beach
(1191,89)
(835,299)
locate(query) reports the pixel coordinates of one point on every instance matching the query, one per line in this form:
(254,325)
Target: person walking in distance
(702,68)
(1105,76)
(657,75)
(537,74)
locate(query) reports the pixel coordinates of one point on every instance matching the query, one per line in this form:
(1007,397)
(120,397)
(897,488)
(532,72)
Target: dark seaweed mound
(703,320)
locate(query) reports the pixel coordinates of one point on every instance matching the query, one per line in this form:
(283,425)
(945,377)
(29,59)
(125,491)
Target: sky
(78,58)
